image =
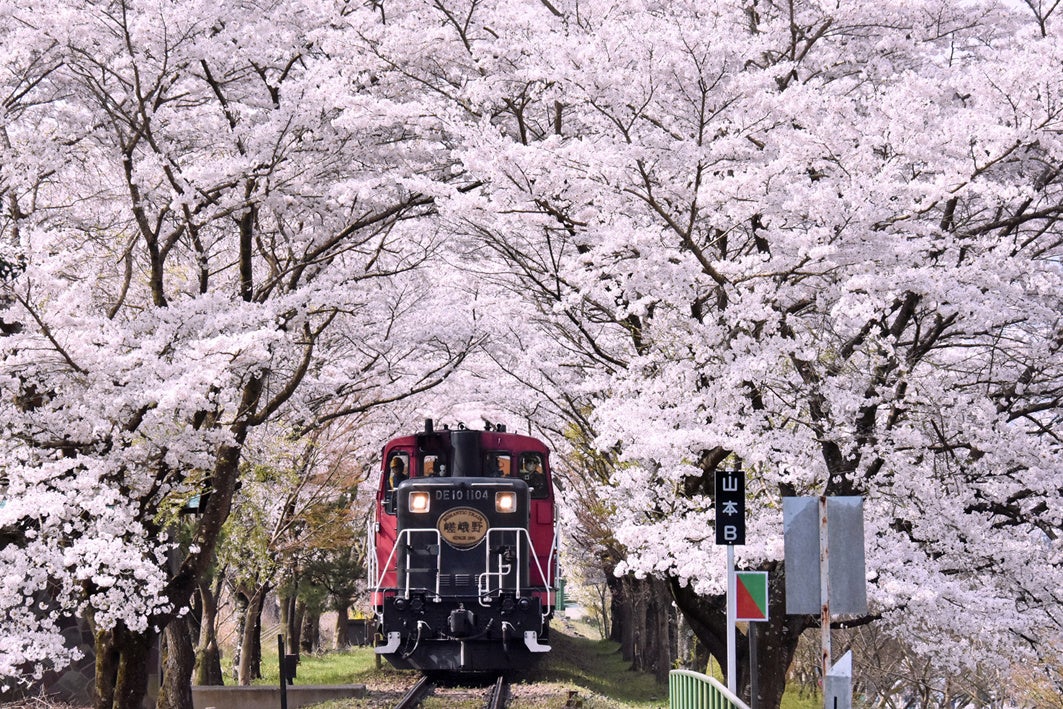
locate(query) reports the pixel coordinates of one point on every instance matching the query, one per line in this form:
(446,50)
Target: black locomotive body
(465,551)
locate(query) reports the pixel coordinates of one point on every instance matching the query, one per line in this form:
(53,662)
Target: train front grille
(457,584)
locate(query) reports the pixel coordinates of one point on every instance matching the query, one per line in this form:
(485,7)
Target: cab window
(432,466)
(498,464)
(531,472)
(397,470)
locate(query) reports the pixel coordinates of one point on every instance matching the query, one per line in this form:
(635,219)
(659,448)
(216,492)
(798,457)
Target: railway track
(498,695)
(416,694)
(495,697)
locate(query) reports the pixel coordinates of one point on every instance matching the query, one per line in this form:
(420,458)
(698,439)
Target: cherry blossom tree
(214,219)
(817,240)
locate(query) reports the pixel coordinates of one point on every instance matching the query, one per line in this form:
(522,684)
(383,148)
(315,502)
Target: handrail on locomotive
(377,586)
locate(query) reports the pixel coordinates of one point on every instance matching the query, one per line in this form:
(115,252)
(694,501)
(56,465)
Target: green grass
(591,670)
(595,671)
(588,670)
(792,699)
(354,666)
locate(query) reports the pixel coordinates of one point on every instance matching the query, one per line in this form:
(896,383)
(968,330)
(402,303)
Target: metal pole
(824,595)
(732,611)
(280,659)
(754,680)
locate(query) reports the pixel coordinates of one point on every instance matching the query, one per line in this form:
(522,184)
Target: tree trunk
(250,661)
(651,610)
(692,654)
(623,630)
(241,600)
(603,608)
(296,621)
(290,623)
(285,609)
(310,635)
(642,622)
(777,639)
(342,639)
(123,657)
(121,668)
(254,660)
(663,648)
(707,616)
(639,625)
(208,656)
(178,658)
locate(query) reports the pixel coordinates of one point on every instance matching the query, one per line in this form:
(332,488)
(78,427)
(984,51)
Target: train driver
(532,473)
(397,472)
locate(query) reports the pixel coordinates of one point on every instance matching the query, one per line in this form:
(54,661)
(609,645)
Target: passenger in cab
(494,467)
(434,467)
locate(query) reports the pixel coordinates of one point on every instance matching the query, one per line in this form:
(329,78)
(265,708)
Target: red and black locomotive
(464,565)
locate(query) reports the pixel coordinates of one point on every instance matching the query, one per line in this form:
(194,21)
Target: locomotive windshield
(461,453)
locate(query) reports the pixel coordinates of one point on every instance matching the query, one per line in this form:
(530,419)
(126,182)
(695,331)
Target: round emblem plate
(462,527)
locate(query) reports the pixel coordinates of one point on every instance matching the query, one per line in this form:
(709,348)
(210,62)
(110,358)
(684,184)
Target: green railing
(693,690)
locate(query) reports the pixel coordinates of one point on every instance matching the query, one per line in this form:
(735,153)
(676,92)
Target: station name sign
(730,507)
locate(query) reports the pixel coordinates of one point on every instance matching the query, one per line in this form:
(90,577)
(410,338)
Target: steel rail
(416,694)
(497,698)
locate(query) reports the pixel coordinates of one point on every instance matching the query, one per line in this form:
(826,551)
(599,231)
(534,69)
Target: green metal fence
(693,690)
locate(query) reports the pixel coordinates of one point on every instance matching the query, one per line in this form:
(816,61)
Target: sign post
(824,590)
(824,562)
(732,673)
(838,687)
(731,530)
(752,605)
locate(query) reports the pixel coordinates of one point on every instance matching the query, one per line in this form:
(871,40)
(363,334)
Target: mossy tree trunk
(290,623)
(623,630)
(249,663)
(295,640)
(310,636)
(208,655)
(178,658)
(342,639)
(661,621)
(121,668)
(642,624)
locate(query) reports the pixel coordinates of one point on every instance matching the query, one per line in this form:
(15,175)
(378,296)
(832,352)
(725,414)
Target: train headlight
(506,501)
(419,502)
